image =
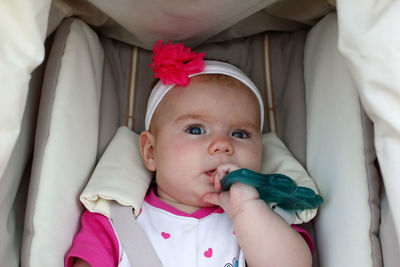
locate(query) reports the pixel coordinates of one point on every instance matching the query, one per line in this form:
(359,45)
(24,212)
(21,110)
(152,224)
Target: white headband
(211,67)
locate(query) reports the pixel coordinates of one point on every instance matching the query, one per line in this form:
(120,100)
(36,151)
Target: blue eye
(241,134)
(195,130)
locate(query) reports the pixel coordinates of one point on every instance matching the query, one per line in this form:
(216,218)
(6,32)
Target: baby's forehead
(211,88)
(207,96)
(220,79)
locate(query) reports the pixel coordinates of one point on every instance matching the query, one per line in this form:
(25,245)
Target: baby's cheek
(180,157)
(250,155)
(258,158)
(253,162)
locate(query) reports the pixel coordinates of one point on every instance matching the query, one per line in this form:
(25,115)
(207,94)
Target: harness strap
(134,240)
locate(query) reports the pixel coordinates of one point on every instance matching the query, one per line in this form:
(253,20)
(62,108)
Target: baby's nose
(221,145)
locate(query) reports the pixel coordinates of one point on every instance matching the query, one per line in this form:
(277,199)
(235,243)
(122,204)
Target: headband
(182,77)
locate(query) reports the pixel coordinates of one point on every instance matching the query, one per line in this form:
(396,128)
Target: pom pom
(173,63)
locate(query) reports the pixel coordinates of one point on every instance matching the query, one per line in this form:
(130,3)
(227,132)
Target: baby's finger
(212,178)
(226,168)
(220,172)
(217,179)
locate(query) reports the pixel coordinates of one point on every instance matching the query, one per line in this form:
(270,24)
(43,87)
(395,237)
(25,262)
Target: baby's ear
(147,150)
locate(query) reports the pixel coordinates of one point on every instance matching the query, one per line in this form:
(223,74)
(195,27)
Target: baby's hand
(234,200)
(269,239)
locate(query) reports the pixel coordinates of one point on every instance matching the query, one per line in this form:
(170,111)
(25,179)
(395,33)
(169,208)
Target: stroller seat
(93,85)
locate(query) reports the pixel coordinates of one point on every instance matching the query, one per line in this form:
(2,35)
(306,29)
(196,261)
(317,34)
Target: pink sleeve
(95,243)
(306,236)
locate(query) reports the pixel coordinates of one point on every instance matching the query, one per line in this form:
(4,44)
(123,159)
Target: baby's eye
(195,130)
(241,134)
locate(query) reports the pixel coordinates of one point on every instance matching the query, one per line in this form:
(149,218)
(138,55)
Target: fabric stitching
(135,87)
(372,203)
(272,88)
(265,78)
(129,88)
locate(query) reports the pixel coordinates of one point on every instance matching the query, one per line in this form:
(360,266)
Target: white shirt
(204,238)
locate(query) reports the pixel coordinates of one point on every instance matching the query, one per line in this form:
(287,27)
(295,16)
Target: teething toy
(275,188)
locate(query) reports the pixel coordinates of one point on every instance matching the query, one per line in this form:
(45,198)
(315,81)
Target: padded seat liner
(65,145)
(119,87)
(85,98)
(340,155)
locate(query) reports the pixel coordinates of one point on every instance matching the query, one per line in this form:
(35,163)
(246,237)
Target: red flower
(173,63)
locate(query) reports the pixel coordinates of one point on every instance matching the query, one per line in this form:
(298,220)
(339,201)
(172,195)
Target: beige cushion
(121,176)
(65,145)
(278,159)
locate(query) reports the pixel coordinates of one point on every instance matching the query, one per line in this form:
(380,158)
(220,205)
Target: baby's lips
(210,172)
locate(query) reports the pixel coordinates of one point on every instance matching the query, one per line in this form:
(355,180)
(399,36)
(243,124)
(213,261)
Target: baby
(200,125)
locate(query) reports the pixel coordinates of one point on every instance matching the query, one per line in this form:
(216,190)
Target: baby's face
(198,128)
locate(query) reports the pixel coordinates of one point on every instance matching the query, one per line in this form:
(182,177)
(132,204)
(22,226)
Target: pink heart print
(208,253)
(165,235)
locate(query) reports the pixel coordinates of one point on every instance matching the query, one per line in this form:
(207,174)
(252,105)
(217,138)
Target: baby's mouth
(210,172)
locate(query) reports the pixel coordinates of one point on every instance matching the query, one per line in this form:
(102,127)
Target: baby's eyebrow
(247,125)
(192,117)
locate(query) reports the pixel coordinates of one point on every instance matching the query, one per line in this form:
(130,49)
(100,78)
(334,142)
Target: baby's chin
(206,204)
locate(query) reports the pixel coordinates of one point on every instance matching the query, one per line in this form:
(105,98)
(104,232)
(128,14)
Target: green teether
(275,188)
